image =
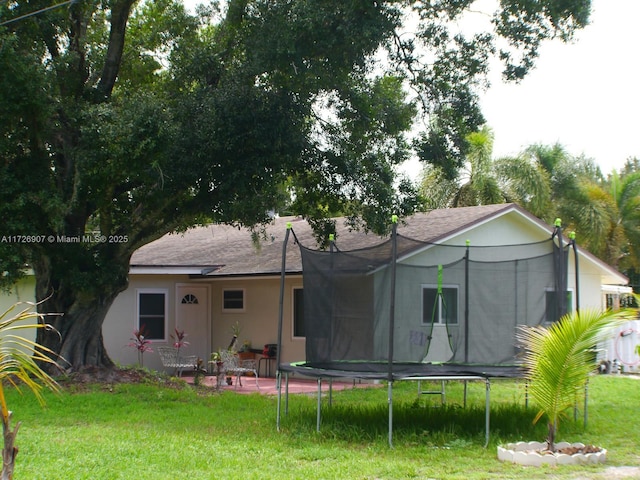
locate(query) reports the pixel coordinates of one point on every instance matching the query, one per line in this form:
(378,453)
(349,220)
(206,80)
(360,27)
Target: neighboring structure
(210,278)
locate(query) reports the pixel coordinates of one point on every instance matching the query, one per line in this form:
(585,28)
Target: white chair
(232,366)
(171,358)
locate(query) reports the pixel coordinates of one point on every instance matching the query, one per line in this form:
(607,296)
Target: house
(209,279)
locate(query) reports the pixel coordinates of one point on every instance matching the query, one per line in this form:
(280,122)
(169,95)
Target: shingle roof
(226,250)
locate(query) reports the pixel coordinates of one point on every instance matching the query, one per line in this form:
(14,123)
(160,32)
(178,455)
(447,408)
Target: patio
(268,385)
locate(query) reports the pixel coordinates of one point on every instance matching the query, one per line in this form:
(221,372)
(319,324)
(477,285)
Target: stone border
(534,454)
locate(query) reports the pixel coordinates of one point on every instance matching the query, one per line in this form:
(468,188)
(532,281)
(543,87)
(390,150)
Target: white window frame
(439,321)
(244,300)
(163,291)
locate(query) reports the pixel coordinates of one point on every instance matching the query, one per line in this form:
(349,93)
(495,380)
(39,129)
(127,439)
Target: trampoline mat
(400,371)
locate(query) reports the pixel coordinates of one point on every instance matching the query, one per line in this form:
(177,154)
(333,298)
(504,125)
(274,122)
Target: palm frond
(20,357)
(525,182)
(559,358)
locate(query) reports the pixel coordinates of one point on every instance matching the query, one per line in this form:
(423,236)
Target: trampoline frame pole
(280,318)
(561,274)
(279,400)
(487,411)
(392,306)
(390,400)
(572,236)
(319,404)
(466,305)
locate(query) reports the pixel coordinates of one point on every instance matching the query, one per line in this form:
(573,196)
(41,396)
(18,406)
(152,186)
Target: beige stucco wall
(23,291)
(258,320)
(120,322)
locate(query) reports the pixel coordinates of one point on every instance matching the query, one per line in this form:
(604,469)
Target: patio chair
(171,358)
(232,366)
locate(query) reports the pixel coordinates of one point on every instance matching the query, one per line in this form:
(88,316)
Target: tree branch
(119,16)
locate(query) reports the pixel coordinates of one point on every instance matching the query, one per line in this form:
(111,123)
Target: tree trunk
(77,314)
(9,451)
(551,437)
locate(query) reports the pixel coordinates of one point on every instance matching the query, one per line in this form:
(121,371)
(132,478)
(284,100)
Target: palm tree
(474,184)
(436,189)
(564,176)
(606,217)
(525,182)
(605,214)
(590,212)
(486,181)
(481,187)
(558,360)
(625,191)
(20,360)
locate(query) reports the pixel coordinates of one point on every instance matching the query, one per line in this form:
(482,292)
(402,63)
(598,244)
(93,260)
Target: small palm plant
(558,360)
(20,360)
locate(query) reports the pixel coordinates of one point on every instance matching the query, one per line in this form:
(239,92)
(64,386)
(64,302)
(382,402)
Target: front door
(192,316)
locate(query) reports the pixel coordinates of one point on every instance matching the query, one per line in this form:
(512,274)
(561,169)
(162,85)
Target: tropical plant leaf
(559,358)
(20,356)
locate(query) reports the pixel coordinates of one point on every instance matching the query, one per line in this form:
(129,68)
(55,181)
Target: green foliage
(558,360)
(128,120)
(550,183)
(485,180)
(526,22)
(603,212)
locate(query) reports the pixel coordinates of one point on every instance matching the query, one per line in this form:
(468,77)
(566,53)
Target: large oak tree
(125,121)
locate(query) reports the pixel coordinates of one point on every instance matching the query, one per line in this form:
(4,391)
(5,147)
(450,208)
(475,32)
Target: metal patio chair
(232,366)
(171,358)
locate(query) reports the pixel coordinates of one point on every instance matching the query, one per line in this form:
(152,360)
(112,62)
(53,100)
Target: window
(190,299)
(152,313)
(553,311)
(233,300)
(439,308)
(298,312)
(616,301)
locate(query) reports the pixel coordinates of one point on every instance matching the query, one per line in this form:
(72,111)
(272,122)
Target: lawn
(156,431)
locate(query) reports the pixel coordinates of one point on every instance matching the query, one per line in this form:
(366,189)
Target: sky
(584,95)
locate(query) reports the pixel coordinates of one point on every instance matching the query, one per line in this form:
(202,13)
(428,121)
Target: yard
(167,430)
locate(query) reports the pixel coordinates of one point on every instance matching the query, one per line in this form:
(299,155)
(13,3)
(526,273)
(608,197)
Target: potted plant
(199,372)
(216,361)
(245,352)
(235,334)
(246,347)
(558,360)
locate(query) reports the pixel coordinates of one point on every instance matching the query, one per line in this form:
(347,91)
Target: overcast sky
(583,95)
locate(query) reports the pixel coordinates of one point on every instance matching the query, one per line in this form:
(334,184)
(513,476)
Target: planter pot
(246,356)
(535,454)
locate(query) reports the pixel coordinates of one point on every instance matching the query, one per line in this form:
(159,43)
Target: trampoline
(411,310)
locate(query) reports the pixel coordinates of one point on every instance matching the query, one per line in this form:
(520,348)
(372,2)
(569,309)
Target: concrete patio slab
(268,385)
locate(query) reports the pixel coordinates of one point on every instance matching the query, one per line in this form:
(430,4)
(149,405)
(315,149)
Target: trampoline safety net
(439,303)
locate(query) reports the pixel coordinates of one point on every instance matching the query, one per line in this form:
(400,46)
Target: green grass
(146,431)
